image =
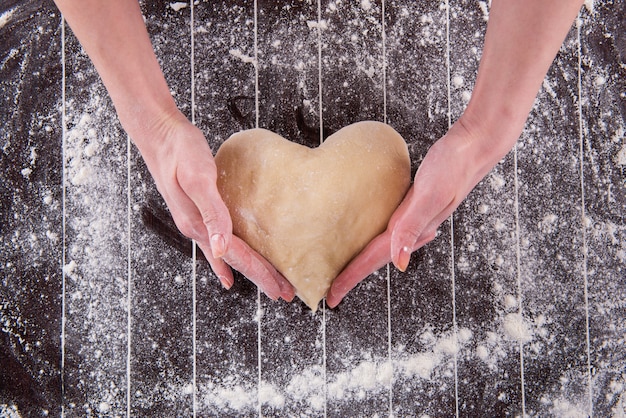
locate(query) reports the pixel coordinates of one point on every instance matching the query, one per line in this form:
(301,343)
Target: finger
(373,257)
(258,270)
(202,190)
(219,267)
(414,224)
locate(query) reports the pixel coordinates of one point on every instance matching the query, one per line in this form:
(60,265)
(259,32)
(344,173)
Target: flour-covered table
(518,307)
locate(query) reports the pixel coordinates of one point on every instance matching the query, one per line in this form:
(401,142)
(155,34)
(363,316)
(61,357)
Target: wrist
(493,130)
(154,132)
(480,142)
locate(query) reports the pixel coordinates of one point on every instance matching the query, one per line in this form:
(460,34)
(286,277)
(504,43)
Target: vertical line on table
(324,355)
(192,63)
(63,215)
(256,64)
(319,68)
(193,242)
(454,323)
(384,59)
(129,276)
(518,267)
(384,52)
(194,330)
(259,312)
(584,219)
(389,339)
(321,119)
(452,262)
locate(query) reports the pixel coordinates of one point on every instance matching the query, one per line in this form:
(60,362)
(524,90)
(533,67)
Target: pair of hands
(521,42)
(185,174)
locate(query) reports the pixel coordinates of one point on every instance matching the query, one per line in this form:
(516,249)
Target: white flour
(360,381)
(177,6)
(6,16)
(95,269)
(516,328)
(9,411)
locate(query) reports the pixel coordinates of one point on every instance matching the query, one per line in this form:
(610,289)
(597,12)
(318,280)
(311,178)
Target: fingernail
(330,298)
(287,296)
(272,296)
(226,282)
(404,256)
(286,291)
(218,246)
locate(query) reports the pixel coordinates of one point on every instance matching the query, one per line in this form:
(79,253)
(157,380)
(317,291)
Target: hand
(181,162)
(450,170)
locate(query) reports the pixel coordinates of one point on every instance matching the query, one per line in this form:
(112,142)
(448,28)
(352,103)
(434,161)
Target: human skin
(114,35)
(521,41)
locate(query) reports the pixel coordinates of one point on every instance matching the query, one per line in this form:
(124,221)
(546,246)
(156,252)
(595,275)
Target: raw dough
(310,211)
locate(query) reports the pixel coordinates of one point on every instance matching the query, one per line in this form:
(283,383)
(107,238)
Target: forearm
(522,39)
(114,35)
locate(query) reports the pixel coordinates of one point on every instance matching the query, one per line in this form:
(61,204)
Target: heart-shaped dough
(310,211)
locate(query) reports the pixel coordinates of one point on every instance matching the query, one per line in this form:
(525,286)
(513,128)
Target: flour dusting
(360,380)
(96,257)
(6,16)
(179,5)
(9,411)
(516,327)
(620,159)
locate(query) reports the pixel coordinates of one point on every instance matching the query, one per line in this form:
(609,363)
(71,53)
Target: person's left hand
(450,170)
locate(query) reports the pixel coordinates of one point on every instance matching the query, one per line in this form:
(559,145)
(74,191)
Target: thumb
(202,190)
(411,228)
(218,223)
(405,235)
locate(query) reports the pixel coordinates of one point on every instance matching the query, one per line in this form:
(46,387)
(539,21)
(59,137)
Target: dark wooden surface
(519,305)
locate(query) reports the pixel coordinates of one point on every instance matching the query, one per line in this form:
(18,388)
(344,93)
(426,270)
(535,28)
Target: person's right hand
(182,165)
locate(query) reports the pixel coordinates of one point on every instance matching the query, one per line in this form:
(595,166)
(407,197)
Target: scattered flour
(516,328)
(457,81)
(94,274)
(26,172)
(482,353)
(499,226)
(236,397)
(548,224)
(243,57)
(362,379)
(314,24)
(9,411)
(14,52)
(565,409)
(177,6)
(485,9)
(497,181)
(620,158)
(510,302)
(5,17)
(271,396)
(619,410)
